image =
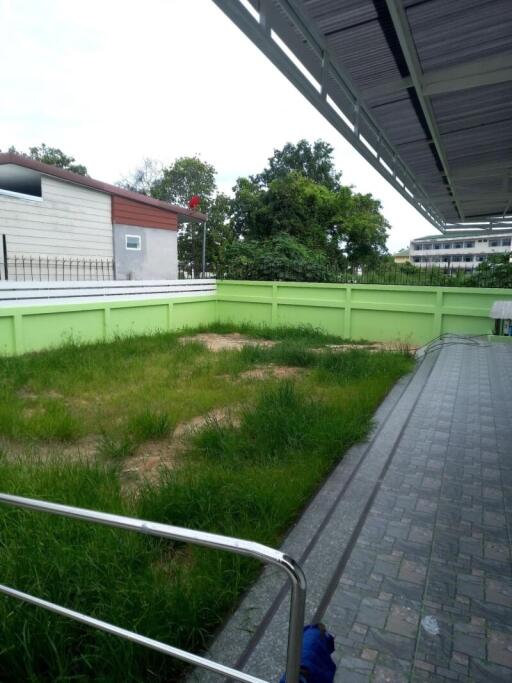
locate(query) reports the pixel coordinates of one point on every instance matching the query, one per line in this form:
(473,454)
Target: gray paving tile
(426,591)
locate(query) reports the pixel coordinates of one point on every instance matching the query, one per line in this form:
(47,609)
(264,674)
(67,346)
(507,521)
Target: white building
(463,249)
(55,224)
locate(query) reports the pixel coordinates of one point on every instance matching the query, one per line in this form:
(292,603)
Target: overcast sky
(113,81)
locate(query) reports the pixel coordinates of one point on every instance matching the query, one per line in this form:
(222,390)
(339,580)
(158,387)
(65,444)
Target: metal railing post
(296,621)
(203,538)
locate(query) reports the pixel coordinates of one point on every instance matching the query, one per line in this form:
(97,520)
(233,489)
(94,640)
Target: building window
(416,259)
(480,258)
(133,242)
(456,258)
(457,245)
(447,245)
(505,243)
(468,259)
(437,246)
(495,243)
(469,245)
(23,185)
(417,247)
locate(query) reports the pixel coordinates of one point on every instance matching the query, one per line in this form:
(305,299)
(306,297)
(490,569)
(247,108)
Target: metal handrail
(235,545)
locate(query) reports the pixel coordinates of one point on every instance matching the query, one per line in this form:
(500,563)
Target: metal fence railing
(54,268)
(234,545)
(387,274)
(190,275)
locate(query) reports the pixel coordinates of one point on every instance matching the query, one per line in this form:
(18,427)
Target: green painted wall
(374,312)
(32,328)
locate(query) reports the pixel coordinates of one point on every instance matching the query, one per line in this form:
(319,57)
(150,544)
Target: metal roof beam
(403,31)
(336,98)
(486,226)
(485,170)
(485,71)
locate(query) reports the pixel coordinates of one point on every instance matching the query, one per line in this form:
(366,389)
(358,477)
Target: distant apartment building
(458,249)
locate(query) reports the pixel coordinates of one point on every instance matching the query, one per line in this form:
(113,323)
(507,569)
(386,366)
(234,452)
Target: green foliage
(292,204)
(53,156)
(247,478)
(177,183)
(340,367)
(219,233)
(280,257)
(46,420)
(303,198)
(298,194)
(496,271)
(185,177)
(312,161)
(150,425)
(113,448)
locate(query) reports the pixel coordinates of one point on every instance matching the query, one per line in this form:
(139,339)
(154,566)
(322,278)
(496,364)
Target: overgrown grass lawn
(71,420)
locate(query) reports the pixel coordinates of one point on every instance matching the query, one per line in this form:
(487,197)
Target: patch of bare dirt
(226,342)
(83,449)
(372,347)
(271,371)
(27,395)
(31,396)
(151,456)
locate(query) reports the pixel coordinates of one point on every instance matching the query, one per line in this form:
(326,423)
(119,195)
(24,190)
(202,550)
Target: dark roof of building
(86,181)
(458,234)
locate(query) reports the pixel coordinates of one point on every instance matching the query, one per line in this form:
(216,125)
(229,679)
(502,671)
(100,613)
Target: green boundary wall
(375,312)
(33,328)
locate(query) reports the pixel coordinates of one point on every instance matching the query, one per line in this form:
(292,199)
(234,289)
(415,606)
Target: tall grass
(150,424)
(248,477)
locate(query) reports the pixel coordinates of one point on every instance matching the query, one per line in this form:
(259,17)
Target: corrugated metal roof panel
(447,32)
(435,75)
(475,123)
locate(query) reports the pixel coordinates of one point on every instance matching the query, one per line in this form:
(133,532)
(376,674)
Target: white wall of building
(156,259)
(458,252)
(67,221)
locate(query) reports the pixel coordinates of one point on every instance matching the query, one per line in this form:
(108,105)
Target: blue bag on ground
(316,665)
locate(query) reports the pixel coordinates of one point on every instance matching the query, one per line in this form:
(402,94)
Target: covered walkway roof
(422,88)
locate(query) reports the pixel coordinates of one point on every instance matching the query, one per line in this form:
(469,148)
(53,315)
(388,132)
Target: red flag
(194,201)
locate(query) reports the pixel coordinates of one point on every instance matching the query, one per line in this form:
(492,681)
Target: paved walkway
(406,547)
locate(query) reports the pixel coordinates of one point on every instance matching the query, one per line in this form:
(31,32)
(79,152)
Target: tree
(188,176)
(144,177)
(281,257)
(339,224)
(360,227)
(177,183)
(313,161)
(53,156)
(219,233)
(185,177)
